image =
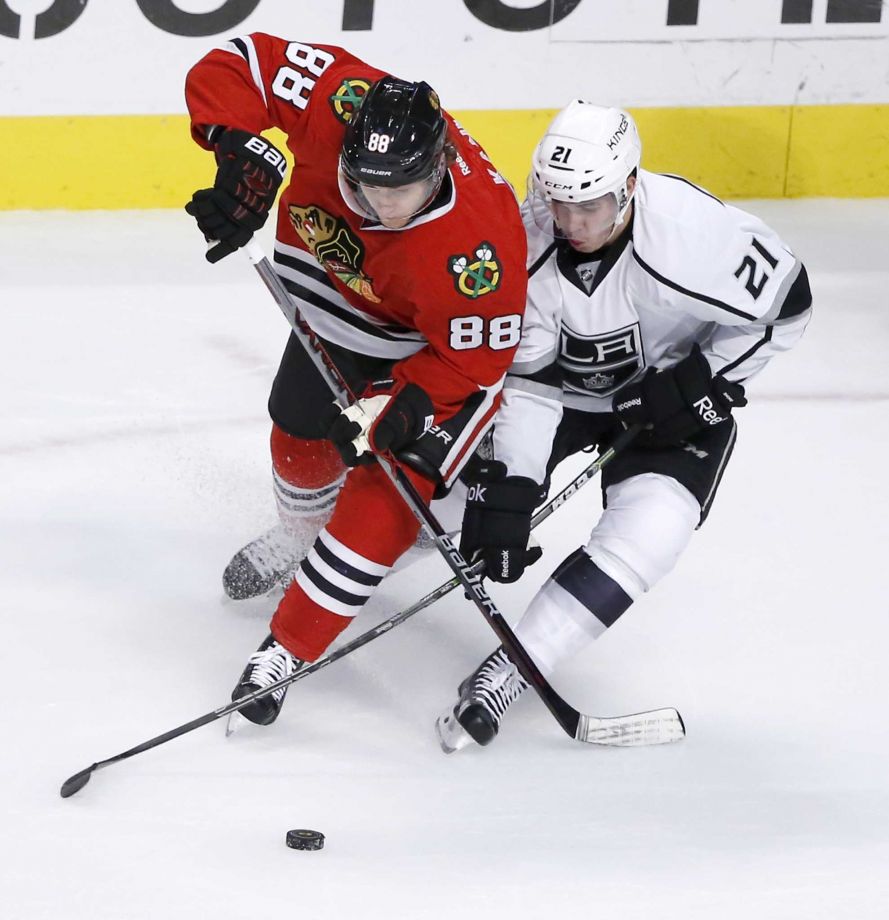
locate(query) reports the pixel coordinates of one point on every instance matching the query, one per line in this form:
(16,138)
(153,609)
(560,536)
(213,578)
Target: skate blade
(233,723)
(452,737)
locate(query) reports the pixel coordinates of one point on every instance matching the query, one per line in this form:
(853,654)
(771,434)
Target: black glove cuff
(235,144)
(729,393)
(406,418)
(709,398)
(506,529)
(492,490)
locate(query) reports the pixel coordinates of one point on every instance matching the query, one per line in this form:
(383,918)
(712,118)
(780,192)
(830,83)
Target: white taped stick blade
(659,726)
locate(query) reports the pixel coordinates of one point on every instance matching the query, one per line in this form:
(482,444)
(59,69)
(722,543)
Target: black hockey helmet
(397,136)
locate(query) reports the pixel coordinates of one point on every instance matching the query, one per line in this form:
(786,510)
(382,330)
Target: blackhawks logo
(347,98)
(477,275)
(335,246)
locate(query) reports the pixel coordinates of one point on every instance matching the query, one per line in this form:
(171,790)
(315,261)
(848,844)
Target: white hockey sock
(303,511)
(556,626)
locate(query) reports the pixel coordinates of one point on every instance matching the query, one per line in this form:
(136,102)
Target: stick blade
(75,783)
(659,726)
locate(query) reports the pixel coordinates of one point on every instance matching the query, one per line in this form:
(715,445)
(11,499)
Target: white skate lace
(497,684)
(271,665)
(275,552)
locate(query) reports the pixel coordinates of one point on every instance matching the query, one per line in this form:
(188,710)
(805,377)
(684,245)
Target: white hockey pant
(640,536)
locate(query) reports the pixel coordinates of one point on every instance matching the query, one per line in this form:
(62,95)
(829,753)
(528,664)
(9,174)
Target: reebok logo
(707,412)
(476,493)
(504,563)
(629,402)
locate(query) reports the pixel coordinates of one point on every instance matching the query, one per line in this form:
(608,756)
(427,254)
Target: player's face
(587,225)
(590,225)
(396,206)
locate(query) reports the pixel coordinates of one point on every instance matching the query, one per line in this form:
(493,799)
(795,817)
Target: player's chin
(587,245)
(395,223)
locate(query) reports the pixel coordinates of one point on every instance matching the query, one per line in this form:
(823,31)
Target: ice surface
(133,462)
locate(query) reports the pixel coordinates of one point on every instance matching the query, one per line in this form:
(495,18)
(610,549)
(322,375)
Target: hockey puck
(305,840)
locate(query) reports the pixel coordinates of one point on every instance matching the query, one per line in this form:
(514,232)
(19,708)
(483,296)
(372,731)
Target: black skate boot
(264,563)
(269,663)
(484,698)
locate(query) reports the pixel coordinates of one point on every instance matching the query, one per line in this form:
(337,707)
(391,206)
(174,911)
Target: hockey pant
(648,522)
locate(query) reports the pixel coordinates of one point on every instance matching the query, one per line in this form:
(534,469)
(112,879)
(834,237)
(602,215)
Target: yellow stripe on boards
(149,161)
(840,150)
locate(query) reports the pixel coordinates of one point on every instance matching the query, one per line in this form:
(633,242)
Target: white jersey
(690,270)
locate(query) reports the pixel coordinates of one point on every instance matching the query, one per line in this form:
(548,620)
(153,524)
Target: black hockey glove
(677,402)
(249,171)
(497,522)
(387,417)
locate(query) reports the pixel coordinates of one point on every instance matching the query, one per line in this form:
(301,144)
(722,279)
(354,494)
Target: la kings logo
(600,364)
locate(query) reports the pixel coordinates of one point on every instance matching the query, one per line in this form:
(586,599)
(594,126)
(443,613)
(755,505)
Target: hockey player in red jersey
(405,252)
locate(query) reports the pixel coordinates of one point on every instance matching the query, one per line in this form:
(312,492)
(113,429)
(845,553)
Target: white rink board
(112,59)
(724,20)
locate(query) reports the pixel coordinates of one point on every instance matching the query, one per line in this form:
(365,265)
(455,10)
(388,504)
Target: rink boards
(149,161)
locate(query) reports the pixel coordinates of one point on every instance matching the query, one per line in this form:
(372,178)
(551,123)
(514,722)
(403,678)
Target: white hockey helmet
(587,152)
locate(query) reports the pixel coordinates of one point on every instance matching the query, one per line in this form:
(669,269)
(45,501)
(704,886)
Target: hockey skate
(271,662)
(484,698)
(264,563)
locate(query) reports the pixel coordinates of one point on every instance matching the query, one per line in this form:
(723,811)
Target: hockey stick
(79,780)
(656,727)
(579,726)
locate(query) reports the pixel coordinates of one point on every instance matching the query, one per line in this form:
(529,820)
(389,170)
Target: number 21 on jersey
(752,265)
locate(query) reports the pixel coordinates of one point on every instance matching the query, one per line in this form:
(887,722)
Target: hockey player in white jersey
(650,302)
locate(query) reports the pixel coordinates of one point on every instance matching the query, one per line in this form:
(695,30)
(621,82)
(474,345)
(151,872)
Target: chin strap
(627,198)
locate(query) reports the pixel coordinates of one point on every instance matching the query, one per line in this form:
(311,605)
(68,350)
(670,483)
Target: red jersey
(444,296)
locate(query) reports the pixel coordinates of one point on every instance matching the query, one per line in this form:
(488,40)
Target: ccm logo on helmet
(556,185)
